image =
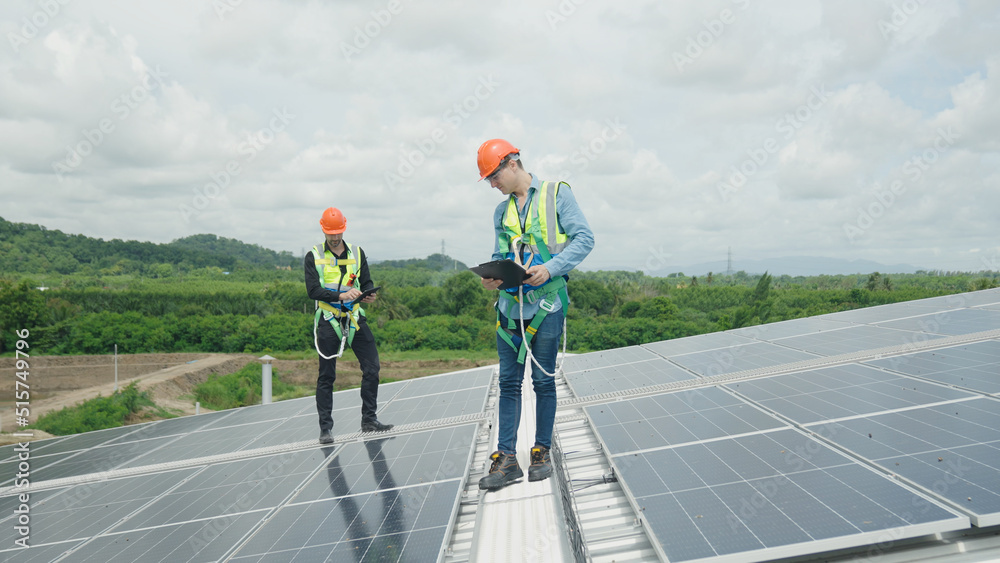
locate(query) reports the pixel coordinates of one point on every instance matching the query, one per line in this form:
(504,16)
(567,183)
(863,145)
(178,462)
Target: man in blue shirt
(540,226)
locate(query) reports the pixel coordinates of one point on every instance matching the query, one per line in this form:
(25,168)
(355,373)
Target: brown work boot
(503,472)
(541,465)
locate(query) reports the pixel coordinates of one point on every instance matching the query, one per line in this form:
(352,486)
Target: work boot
(325,437)
(503,472)
(541,465)
(374,426)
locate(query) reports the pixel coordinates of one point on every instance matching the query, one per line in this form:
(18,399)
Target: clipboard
(507,270)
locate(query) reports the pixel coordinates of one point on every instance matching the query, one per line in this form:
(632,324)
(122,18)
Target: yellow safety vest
(541,233)
(332,278)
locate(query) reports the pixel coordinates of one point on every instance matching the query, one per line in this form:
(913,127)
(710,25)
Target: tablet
(507,270)
(367,292)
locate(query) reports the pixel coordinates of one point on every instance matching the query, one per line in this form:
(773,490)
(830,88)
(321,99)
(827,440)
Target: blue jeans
(544,347)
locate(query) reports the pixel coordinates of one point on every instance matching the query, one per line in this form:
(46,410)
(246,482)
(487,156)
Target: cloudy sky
(852,129)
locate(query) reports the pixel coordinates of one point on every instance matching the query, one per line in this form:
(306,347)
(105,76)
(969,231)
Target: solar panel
(699,343)
(676,418)
(951,451)
(769,495)
(606,358)
(421,409)
(739,358)
(973,366)
(201,540)
(882,313)
(794,327)
(202,443)
(408,524)
(222,489)
(841,391)
(88,510)
(38,553)
(633,375)
(392,462)
(959,321)
(852,339)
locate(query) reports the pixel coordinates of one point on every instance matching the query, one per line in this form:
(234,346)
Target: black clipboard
(507,270)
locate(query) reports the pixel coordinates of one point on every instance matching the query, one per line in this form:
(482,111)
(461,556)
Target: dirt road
(61,381)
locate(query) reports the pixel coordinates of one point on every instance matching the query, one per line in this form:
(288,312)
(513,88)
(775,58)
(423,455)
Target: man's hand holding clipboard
(505,274)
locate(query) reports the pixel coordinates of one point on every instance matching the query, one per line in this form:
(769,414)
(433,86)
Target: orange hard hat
(333,221)
(491,154)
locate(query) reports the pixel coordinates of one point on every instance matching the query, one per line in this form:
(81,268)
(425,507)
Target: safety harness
(532,236)
(346,313)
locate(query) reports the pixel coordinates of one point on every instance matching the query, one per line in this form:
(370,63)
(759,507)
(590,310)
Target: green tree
(464,294)
(21,307)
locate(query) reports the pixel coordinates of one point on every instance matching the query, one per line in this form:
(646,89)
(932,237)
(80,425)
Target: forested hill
(33,249)
(435,263)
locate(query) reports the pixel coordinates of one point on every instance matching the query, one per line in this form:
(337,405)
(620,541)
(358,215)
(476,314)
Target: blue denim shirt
(572,221)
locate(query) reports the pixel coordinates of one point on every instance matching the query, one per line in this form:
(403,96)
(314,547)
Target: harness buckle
(531,297)
(547,305)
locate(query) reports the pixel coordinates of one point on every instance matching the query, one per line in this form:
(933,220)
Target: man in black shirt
(336,275)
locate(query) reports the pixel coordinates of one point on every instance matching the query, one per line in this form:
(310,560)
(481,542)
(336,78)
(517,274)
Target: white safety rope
(529,357)
(343,337)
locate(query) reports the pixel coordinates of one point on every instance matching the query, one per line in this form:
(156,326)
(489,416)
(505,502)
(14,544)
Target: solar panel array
(831,432)
(253,484)
(780,440)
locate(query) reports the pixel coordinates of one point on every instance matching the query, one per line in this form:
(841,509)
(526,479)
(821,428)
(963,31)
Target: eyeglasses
(495,173)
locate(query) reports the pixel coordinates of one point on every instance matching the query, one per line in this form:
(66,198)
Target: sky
(848,129)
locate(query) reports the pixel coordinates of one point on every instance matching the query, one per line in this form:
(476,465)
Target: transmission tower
(729,263)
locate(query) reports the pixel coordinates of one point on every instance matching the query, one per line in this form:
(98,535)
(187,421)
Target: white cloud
(389,132)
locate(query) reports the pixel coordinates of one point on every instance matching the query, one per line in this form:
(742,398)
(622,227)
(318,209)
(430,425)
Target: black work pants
(364,348)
